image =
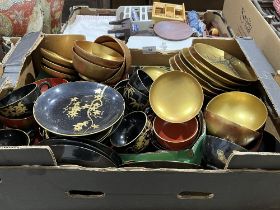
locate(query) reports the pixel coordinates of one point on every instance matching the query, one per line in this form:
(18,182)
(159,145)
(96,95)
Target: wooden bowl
(176,97)
(240,108)
(91,70)
(175,136)
(226,129)
(125,51)
(98,54)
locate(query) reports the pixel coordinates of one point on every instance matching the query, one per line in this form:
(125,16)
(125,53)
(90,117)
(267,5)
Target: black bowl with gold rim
(79,108)
(19,103)
(134,133)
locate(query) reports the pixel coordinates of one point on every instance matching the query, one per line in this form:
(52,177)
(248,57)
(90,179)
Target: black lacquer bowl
(19,103)
(79,108)
(216,151)
(13,137)
(134,133)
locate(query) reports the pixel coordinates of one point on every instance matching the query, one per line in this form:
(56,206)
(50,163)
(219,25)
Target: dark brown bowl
(19,103)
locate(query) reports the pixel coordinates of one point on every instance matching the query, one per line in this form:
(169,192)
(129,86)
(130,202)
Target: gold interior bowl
(57,74)
(222,81)
(226,129)
(227,65)
(91,70)
(240,108)
(217,81)
(154,72)
(55,58)
(176,97)
(98,54)
(107,40)
(57,67)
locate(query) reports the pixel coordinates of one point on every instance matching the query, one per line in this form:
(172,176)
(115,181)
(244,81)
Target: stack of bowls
(56,55)
(236,116)
(176,98)
(106,60)
(16,109)
(216,70)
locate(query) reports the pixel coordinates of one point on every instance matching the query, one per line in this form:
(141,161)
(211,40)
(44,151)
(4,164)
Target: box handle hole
(85,194)
(194,195)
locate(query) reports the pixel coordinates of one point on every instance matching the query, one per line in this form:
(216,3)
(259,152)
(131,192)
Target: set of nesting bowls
(106,60)
(56,56)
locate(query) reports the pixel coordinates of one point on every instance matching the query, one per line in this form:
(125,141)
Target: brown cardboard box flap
(246,20)
(27,155)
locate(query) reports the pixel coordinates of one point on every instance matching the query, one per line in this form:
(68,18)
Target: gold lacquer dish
(176,97)
(55,58)
(223,82)
(227,65)
(79,108)
(187,58)
(57,67)
(240,108)
(154,72)
(98,54)
(57,74)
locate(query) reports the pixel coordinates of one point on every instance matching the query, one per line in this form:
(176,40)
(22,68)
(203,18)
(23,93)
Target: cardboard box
(30,178)
(246,20)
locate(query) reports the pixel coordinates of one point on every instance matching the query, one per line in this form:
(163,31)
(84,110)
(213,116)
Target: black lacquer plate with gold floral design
(79,108)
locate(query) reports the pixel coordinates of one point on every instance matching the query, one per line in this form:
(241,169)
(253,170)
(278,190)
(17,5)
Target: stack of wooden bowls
(216,70)
(107,60)
(56,56)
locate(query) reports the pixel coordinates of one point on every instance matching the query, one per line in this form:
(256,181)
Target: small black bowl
(134,133)
(216,151)
(19,103)
(134,99)
(13,137)
(121,84)
(141,81)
